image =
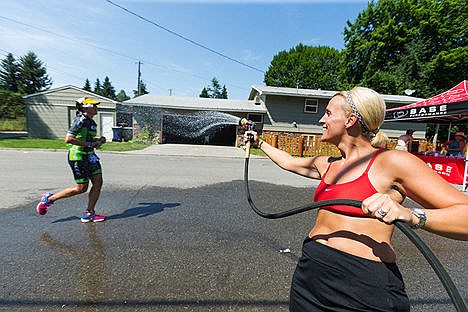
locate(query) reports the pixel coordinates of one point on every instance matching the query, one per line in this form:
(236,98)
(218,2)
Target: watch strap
(421,216)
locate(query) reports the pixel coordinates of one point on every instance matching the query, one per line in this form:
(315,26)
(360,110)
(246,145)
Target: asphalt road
(179,237)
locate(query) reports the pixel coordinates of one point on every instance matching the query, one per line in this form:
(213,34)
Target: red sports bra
(358,189)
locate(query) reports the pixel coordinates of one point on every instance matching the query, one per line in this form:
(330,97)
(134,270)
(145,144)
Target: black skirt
(327,279)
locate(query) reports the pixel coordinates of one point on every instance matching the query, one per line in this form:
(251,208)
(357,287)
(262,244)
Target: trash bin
(127,134)
(117,134)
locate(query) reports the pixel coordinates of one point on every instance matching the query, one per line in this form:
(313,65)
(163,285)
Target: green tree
(11,104)
(224,94)
(305,67)
(142,90)
(407,44)
(215,90)
(97,87)
(87,85)
(107,89)
(9,73)
(33,76)
(122,96)
(204,93)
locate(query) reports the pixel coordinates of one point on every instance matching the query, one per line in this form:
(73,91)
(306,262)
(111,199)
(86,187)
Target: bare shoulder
(414,178)
(399,159)
(397,168)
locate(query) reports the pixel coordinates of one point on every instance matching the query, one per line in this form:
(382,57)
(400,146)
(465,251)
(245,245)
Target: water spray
(438,268)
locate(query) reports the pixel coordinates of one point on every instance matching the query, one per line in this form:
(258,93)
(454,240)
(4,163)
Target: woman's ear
(352,119)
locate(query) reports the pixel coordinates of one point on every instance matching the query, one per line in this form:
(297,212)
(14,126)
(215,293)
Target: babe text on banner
(451,169)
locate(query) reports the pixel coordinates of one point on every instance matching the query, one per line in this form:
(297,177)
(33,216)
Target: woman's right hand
(251,136)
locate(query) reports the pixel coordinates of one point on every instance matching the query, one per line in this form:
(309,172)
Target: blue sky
(92,39)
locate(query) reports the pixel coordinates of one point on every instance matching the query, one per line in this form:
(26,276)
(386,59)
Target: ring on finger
(382,212)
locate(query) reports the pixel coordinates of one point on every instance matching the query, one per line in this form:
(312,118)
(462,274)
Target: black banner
(443,113)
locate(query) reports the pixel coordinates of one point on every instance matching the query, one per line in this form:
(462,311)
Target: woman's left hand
(385,209)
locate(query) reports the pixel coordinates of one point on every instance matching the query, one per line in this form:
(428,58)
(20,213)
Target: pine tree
(142,90)
(214,91)
(11,104)
(204,93)
(107,89)
(33,76)
(97,87)
(224,94)
(122,96)
(9,73)
(87,85)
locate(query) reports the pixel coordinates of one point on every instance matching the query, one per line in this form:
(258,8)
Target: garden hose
(447,282)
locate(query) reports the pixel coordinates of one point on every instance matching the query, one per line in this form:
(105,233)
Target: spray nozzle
(247,124)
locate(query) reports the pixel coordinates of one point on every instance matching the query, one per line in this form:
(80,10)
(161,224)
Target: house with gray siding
(292,110)
(49,114)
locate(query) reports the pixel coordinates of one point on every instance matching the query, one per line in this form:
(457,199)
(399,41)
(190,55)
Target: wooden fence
(300,144)
(306,145)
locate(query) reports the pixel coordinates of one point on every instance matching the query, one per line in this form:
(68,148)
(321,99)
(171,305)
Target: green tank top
(84,129)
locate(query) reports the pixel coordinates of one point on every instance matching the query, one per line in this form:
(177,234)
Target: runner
(84,163)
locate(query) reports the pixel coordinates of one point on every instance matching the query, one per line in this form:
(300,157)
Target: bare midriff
(362,237)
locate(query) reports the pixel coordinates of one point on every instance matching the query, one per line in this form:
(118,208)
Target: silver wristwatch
(421,216)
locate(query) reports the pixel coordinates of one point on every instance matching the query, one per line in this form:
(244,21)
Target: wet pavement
(179,237)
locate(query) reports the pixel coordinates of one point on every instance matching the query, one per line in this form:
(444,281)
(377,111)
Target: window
(311,106)
(258,118)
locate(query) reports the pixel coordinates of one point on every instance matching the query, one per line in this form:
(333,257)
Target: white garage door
(107,122)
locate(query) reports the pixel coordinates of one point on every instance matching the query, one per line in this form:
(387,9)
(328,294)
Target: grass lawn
(257,152)
(60,144)
(25,142)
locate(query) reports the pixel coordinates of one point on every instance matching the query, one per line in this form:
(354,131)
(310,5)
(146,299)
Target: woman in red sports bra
(348,262)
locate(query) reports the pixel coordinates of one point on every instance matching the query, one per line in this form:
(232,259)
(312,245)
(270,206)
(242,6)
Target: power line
(68,38)
(95,46)
(185,38)
(108,50)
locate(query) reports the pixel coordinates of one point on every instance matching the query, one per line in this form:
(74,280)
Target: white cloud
(249,55)
(311,42)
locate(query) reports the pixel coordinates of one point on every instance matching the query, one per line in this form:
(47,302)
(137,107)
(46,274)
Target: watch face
(420,213)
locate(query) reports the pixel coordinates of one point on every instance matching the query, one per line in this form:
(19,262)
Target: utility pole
(139,80)
(170,92)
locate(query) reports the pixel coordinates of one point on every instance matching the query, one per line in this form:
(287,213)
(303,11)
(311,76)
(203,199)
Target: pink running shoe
(44,203)
(91,217)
